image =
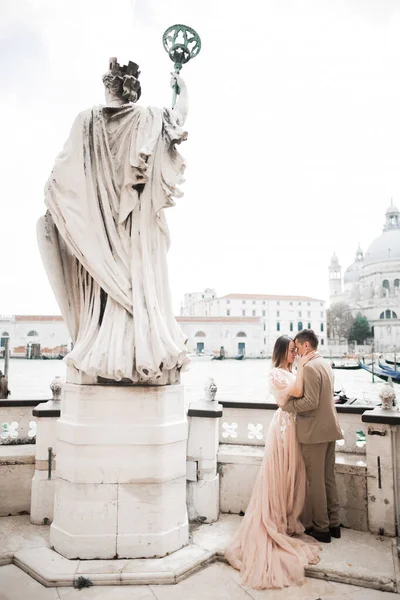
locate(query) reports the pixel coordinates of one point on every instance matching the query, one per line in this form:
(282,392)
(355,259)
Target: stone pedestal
(121,472)
(203,443)
(43,482)
(382,482)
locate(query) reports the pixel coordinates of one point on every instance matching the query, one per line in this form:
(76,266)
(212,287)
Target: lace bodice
(280,382)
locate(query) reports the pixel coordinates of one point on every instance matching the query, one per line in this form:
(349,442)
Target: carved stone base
(121,467)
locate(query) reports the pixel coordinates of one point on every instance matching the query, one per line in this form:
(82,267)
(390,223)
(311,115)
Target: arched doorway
(241,347)
(199,343)
(4,337)
(33,347)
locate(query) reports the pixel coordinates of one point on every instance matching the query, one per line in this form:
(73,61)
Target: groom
(317,430)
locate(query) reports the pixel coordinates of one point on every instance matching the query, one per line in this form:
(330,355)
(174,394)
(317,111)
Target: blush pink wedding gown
(270,548)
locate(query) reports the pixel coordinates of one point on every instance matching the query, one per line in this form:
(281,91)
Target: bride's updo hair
(280,352)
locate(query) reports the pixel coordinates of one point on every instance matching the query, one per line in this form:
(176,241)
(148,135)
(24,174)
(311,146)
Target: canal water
(244,381)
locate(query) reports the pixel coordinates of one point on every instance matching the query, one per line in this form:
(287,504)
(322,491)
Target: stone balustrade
(17,425)
(245,423)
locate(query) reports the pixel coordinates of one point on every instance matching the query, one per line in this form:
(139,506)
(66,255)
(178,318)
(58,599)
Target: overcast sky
(294,132)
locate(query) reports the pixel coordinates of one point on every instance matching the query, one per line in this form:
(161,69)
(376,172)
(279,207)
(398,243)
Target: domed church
(371,284)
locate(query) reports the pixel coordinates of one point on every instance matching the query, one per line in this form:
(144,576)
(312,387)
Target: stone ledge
(253,455)
(14,454)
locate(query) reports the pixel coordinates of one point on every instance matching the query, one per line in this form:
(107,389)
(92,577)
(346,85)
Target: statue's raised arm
(181,107)
(104,238)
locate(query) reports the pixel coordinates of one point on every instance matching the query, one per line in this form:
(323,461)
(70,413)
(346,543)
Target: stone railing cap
(206,409)
(49,409)
(382,415)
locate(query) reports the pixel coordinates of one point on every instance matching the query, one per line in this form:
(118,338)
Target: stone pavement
(216,582)
(358,558)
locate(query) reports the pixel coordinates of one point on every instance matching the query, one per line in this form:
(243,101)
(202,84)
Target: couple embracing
(294,504)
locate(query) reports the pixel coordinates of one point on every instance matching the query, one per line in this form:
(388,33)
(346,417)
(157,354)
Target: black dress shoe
(321,536)
(308,530)
(335,532)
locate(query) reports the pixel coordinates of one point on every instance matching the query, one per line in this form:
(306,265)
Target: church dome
(353,272)
(387,245)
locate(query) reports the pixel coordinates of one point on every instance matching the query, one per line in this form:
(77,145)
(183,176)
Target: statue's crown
(130,69)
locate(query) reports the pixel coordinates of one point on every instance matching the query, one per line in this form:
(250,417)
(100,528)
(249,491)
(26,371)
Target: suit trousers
(322,498)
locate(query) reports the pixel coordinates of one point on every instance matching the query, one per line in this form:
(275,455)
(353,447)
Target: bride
(270,548)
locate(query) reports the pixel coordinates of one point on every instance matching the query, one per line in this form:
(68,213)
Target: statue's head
(123,83)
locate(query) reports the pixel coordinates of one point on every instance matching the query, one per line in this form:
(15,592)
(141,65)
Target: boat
(239,357)
(387,367)
(385,375)
(392,362)
(220,357)
(347,366)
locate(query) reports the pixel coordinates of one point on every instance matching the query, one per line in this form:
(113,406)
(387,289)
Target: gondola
(346,367)
(387,368)
(394,375)
(391,362)
(239,357)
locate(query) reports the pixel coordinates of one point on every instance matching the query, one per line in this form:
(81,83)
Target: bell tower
(335,278)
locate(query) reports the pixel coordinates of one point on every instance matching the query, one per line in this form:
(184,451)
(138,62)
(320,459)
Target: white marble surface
(357,557)
(216,582)
(121,472)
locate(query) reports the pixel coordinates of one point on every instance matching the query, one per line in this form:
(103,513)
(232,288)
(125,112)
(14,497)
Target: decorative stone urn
(387,396)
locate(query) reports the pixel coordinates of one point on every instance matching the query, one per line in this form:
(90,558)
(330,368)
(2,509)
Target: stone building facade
(276,315)
(371,284)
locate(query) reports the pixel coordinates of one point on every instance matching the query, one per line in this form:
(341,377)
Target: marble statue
(104,238)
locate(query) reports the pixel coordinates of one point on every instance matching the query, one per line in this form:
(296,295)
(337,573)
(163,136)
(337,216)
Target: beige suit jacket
(317,419)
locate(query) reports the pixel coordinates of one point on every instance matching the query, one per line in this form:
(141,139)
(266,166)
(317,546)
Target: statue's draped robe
(104,241)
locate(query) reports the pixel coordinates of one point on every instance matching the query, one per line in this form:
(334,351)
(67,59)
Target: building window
(243,313)
(263,313)
(228,313)
(308,314)
(278,326)
(308,304)
(243,301)
(322,341)
(265,341)
(308,325)
(322,327)
(32,333)
(322,314)
(241,334)
(299,326)
(202,295)
(200,334)
(299,313)
(263,301)
(278,303)
(228,301)
(385,284)
(299,303)
(253,302)
(321,303)
(277,313)
(253,313)
(397,283)
(291,326)
(264,327)
(388,314)
(290,303)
